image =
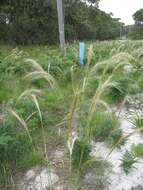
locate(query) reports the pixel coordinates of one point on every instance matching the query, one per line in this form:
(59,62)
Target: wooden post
(61,24)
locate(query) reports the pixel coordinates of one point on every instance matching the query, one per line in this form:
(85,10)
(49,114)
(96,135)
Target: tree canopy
(136,31)
(32,21)
(138,16)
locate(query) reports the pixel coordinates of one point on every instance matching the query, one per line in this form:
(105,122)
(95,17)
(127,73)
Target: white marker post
(61,24)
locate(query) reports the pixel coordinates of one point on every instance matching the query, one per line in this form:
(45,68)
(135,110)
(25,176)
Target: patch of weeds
(117,94)
(28,111)
(138,121)
(91,87)
(81,153)
(11,87)
(52,100)
(25,108)
(105,127)
(95,175)
(31,159)
(52,137)
(34,123)
(138,150)
(13,146)
(53,106)
(128,161)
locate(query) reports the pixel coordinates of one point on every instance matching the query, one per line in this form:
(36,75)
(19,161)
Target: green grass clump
(117,94)
(138,121)
(16,150)
(105,127)
(32,159)
(128,161)
(138,150)
(81,153)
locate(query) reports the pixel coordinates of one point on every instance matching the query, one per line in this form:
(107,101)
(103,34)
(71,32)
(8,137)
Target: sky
(123,9)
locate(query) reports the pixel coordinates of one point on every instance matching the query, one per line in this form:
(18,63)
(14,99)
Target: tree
(35,22)
(138,17)
(136,31)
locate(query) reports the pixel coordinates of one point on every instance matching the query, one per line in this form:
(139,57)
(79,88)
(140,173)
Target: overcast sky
(123,9)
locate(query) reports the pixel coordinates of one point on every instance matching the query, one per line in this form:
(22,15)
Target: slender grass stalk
(22,122)
(124,138)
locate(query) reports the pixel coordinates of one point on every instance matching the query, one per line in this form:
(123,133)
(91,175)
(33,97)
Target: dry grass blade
(22,122)
(34,64)
(35,101)
(72,78)
(41,75)
(124,138)
(104,104)
(30,116)
(116,61)
(90,54)
(38,108)
(28,93)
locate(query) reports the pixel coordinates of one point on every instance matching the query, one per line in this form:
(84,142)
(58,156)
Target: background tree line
(35,22)
(136,31)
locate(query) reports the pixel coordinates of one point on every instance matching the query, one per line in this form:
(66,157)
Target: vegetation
(131,157)
(106,127)
(128,160)
(136,31)
(48,103)
(138,150)
(31,22)
(138,121)
(138,16)
(80,154)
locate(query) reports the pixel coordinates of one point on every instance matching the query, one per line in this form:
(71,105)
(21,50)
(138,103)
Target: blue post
(81,53)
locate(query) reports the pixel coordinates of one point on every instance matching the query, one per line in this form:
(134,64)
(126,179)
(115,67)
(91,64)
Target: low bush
(106,127)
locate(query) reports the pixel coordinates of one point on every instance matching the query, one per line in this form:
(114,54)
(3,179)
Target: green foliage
(138,150)
(13,146)
(138,121)
(136,31)
(32,159)
(16,149)
(105,127)
(80,153)
(99,170)
(117,94)
(89,112)
(128,160)
(138,16)
(33,23)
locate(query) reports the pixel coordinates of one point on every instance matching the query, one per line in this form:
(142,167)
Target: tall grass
(99,71)
(102,65)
